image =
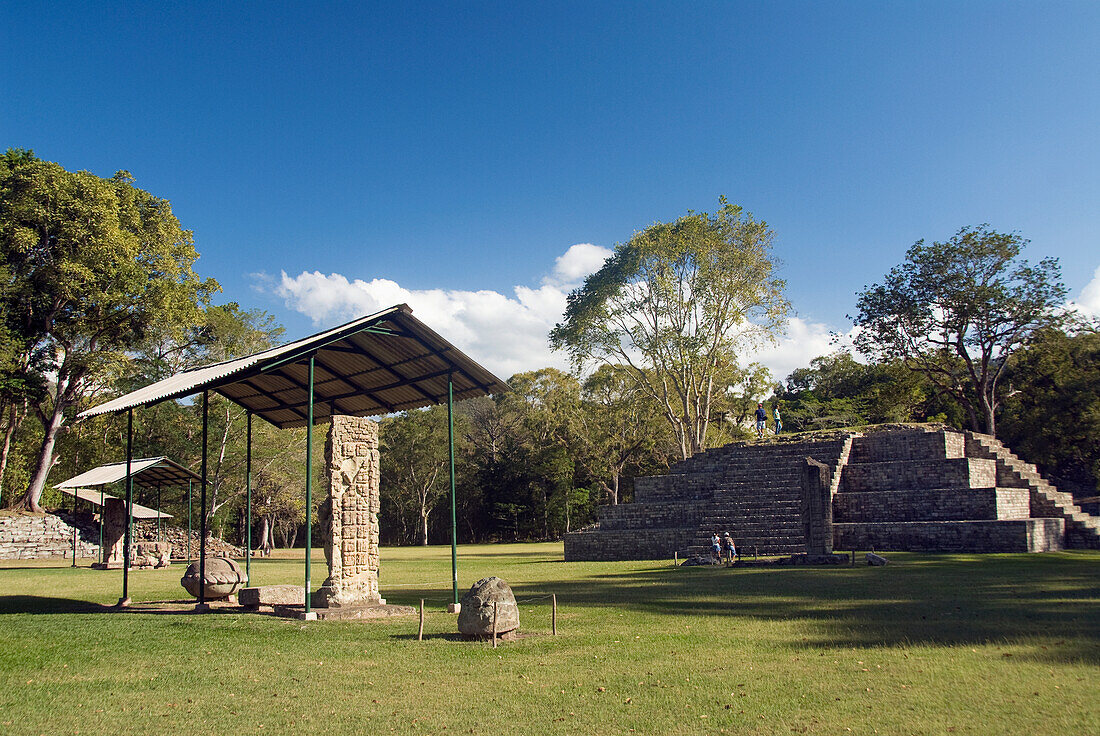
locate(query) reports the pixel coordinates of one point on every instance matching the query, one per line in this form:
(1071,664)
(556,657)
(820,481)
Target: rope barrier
(538,598)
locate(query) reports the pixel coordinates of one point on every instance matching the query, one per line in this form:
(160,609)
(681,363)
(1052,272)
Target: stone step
(912,474)
(932,505)
(1015,535)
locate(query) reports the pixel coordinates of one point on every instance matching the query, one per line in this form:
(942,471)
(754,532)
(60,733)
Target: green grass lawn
(927,645)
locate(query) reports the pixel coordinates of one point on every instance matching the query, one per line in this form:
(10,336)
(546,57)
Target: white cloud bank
(1089,300)
(508,333)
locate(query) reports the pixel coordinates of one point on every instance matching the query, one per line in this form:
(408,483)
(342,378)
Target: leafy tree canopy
(956,311)
(673,304)
(92,266)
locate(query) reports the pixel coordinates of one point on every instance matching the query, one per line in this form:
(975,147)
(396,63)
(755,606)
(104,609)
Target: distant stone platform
(921,488)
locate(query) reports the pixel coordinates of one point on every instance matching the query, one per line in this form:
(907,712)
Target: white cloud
(571,267)
(802,342)
(508,333)
(1089,300)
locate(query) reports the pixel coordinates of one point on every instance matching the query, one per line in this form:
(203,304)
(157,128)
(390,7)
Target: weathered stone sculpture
(224,577)
(349,516)
(114,534)
(817,507)
(476,616)
(151,554)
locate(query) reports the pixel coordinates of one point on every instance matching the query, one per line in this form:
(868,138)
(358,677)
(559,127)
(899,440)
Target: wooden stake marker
(494,624)
(554,614)
(420,631)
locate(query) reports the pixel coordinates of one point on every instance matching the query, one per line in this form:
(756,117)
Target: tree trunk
(423,526)
(15,419)
(29,501)
(615,489)
(266,540)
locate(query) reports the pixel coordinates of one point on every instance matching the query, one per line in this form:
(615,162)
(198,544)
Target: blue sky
(452,154)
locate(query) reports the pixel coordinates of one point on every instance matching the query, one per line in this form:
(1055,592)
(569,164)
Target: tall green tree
(838,391)
(1051,413)
(92,264)
(957,311)
(414,463)
(673,305)
(622,427)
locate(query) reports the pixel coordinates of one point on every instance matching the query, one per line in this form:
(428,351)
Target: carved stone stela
(349,516)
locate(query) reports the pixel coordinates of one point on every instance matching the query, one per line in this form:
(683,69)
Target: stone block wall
(956,502)
(635,544)
(41,536)
(932,505)
(1018,535)
(908,474)
(751,490)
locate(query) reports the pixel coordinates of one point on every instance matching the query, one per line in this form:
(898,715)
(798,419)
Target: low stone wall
(949,504)
(904,475)
(893,446)
(41,536)
(608,545)
(1017,535)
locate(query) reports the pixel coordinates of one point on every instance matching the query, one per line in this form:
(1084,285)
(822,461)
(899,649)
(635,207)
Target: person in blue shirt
(761,420)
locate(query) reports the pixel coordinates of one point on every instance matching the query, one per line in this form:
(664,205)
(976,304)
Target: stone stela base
(454,608)
(343,613)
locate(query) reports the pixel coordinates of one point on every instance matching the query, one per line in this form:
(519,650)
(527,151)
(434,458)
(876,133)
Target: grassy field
(927,645)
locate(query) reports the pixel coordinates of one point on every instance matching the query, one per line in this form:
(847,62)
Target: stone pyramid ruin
(923,488)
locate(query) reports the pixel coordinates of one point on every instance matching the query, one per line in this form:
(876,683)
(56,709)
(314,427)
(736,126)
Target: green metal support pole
(159,533)
(102,553)
(125,599)
(74,527)
(189,522)
(202,507)
(309,478)
(454,522)
(129,524)
(248,501)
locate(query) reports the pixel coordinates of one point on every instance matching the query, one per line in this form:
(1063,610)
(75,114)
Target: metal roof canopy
(379,364)
(96,497)
(156,471)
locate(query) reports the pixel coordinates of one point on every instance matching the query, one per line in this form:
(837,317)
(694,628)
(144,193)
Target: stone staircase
(933,489)
(1082,530)
(914,488)
(752,491)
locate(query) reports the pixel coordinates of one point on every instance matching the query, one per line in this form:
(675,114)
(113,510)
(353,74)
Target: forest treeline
(99,297)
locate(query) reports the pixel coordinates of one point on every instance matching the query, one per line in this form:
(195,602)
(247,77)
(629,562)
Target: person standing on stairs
(761,421)
(778,419)
(716,548)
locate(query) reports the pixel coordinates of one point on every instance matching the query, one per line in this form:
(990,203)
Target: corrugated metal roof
(151,471)
(93,497)
(379,364)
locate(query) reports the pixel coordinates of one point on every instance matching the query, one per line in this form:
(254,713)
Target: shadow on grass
(944,600)
(10,604)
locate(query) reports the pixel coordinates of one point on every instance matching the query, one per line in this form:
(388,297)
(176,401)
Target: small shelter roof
(379,364)
(152,471)
(93,497)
